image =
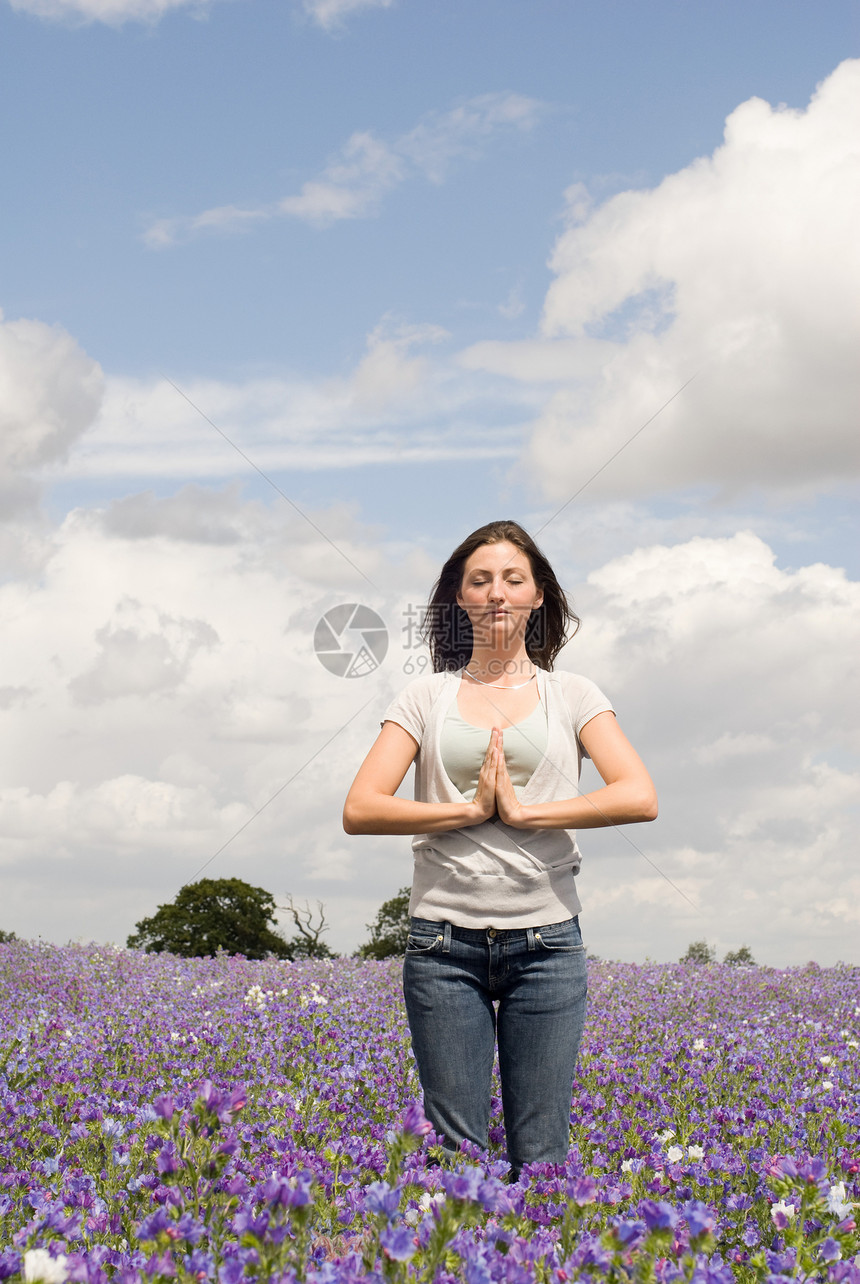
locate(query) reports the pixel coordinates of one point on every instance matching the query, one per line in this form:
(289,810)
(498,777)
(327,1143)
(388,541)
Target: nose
(497,591)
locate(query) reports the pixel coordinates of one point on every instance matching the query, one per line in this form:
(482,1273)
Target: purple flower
(224,1105)
(464,1185)
(699,1218)
(168,1161)
(247,1223)
(583,1190)
(153,1225)
(398,1243)
(658,1216)
(830,1250)
(380,1198)
(10,1263)
(232,1271)
(292,1192)
(414,1122)
(628,1233)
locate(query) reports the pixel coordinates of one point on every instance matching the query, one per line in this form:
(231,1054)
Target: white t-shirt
(492,875)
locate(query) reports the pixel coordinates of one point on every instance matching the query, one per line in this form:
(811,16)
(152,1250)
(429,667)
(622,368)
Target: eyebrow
(506,570)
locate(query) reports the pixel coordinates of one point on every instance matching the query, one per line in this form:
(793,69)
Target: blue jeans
(538,977)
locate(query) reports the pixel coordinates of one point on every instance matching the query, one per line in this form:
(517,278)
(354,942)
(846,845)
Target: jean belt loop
(446,938)
(530,939)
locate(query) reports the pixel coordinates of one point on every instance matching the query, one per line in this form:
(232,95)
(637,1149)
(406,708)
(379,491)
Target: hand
(509,807)
(484,802)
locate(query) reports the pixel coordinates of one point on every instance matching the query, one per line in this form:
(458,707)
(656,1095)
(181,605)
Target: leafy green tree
(700,952)
(389,930)
(212,914)
(740,958)
(5,937)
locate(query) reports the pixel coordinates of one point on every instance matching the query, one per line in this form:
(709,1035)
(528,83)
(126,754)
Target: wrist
(518,817)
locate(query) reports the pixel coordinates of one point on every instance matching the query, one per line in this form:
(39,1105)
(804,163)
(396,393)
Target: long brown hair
(446,628)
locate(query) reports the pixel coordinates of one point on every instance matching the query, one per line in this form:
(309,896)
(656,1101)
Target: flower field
(226,1120)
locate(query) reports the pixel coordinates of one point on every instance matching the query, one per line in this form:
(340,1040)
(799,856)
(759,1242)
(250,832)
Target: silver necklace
(498,686)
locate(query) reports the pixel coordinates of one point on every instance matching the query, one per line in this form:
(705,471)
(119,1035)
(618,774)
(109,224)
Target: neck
(500,665)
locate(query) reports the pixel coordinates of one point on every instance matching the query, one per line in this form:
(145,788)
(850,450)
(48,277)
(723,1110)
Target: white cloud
(160,687)
(50,391)
(141,652)
(743,270)
(328,14)
(331,13)
(111,12)
(354,183)
(397,404)
(737,680)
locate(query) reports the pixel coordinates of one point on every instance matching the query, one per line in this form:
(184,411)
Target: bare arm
(371,807)
(628,794)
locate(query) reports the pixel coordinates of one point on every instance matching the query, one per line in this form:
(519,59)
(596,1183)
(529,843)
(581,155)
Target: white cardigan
(491,875)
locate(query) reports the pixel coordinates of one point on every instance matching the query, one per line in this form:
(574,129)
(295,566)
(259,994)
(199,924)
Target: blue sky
(425,264)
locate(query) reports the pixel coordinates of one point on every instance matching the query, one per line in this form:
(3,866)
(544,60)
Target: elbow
(648,808)
(352,818)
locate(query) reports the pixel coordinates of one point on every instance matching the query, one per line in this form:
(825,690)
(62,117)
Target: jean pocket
(566,941)
(423,943)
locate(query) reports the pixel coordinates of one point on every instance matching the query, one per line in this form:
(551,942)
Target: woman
(497,738)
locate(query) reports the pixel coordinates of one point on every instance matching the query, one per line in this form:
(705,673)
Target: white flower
(824,1061)
(675,1154)
(836,1201)
(666,1135)
(699,1045)
(826,1085)
(627,1165)
(40,1265)
(852,1043)
(782,1207)
(695,1152)
(426,1203)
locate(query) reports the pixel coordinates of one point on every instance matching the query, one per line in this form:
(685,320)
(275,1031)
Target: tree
(389,930)
(6,937)
(307,945)
(740,958)
(700,952)
(213,914)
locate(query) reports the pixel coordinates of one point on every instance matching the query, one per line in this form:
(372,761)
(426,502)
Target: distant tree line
(702,952)
(229,914)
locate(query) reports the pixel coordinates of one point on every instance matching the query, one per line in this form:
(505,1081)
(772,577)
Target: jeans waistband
(479,935)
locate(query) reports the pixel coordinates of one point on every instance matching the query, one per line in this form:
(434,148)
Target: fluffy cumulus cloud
(50,391)
(160,688)
(162,695)
(737,678)
(354,182)
(742,272)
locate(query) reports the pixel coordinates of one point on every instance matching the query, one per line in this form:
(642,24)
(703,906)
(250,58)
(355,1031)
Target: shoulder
(412,707)
(427,687)
(582,697)
(571,684)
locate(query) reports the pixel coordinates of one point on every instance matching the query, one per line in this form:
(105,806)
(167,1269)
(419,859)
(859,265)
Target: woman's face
(498,593)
